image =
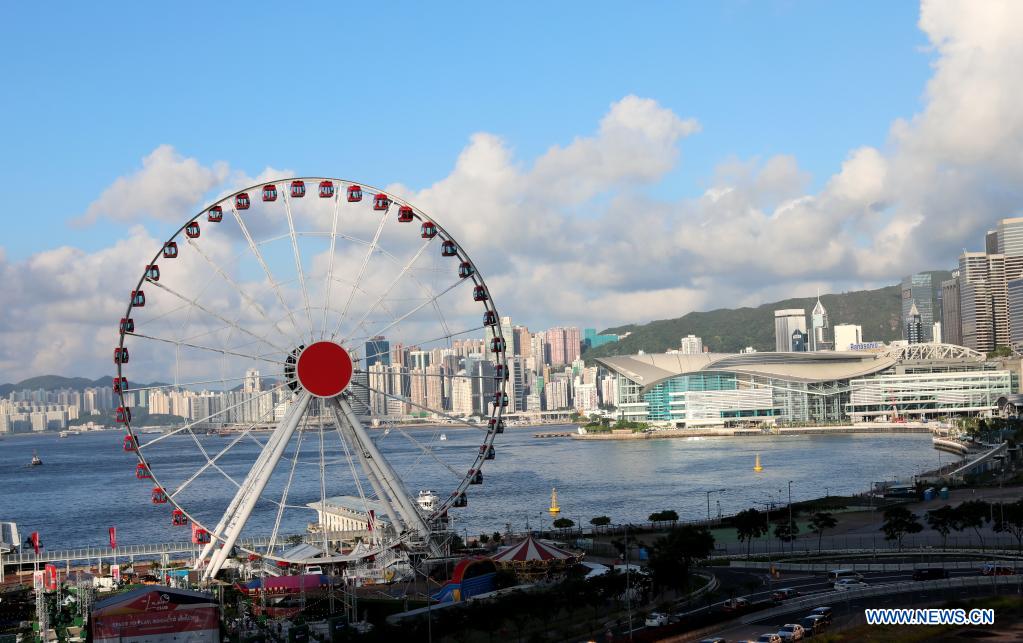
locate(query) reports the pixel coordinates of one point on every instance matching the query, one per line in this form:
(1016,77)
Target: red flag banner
(113,537)
(35,542)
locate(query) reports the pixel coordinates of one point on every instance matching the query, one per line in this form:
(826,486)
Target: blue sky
(393,94)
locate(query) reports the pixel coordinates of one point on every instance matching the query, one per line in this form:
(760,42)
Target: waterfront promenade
(708,432)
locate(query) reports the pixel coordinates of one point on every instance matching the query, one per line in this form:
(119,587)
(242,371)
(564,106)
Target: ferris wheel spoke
(222,351)
(358,278)
(423,342)
(232,324)
(266,269)
(164,436)
(408,265)
(284,494)
(408,401)
(298,265)
(426,450)
(428,302)
(157,387)
(330,262)
(237,288)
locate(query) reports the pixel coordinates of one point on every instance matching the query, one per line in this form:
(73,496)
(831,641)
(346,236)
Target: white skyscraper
(787,322)
(691,345)
(846,335)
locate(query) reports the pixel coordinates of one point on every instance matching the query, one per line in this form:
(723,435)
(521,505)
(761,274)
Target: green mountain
(726,330)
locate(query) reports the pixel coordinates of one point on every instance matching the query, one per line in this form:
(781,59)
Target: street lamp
(792,546)
(708,501)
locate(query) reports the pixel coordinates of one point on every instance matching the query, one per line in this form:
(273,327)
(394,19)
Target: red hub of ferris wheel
(324,369)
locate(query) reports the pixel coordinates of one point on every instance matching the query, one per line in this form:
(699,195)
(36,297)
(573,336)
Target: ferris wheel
(298,324)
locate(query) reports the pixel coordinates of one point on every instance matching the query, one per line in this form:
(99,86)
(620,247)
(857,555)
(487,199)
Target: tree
(819,522)
(942,520)
(600,521)
(672,555)
(899,521)
(1009,519)
(972,514)
(484,539)
(668,515)
(497,537)
(563,523)
(786,531)
(749,524)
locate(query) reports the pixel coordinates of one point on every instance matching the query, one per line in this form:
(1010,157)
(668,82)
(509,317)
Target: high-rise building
(919,290)
(378,351)
(982,300)
(1014,293)
(846,335)
(799,341)
(786,322)
(818,327)
(691,345)
(951,328)
(914,330)
(252,382)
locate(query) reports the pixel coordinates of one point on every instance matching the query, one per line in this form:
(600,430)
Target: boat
(427,500)
(36,460)
(63,434)
(443,436)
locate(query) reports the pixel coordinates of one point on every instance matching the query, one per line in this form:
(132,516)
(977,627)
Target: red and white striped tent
(533,558)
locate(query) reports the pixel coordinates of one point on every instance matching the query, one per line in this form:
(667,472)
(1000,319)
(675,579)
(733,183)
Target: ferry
(443,436)
(427,500)
(36,460)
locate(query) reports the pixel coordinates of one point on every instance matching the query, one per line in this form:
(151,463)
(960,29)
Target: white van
(836,575)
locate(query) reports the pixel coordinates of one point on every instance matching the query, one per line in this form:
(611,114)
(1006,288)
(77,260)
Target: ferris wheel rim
(338,185)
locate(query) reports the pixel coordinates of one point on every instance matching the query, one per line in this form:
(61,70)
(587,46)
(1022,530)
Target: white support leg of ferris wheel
(348,435)
(390,480)
(255,483)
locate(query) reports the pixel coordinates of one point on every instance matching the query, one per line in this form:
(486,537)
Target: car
(656,619)
(836,575)
(995,569)
(769,637)
(813,624)
(929,573)
(735,604)
(780,595)
(824,611)
(849,583)
(791,632)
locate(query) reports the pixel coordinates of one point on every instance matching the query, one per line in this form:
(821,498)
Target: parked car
(824,611)
(849,583)
(997,569)
(929,573)
(735,604)
(769,637)
(813,624)
(791,632)
(782,594)
(656,619)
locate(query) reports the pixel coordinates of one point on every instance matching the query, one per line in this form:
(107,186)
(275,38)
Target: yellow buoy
(554,509)
(756,465)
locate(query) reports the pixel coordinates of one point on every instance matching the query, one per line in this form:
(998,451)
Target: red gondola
(241,201)
(269,192)
(130,445)
(405,214)
(138,298)
(490,318)
(475,476)
(159,496)
(121,355)
(497,425)
(170,250)
(200,536)
(497,345)
(465,269)
(127,325)
(489,451)
(297,189)
(479,293)
(500,398)
(500,372)
(326,189)
(142,472)
(179,519)
(153,272)
(120,384)
(429,230)
(460,501)
(215,215)
(192,230)
(448,248)
(381,202)
(354,194)
(123,415)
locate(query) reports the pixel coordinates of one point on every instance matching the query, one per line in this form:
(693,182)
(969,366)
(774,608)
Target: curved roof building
(813,387)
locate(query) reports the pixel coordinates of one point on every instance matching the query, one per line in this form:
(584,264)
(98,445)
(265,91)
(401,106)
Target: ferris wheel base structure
(304,284)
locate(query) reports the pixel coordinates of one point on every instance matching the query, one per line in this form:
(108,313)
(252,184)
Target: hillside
(730,330)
